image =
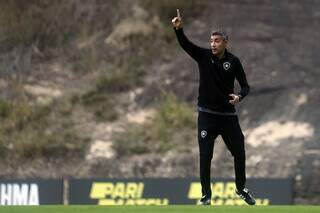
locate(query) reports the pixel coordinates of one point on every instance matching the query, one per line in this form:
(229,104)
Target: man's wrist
(240,98)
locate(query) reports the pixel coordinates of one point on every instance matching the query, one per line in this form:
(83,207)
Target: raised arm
(193,50)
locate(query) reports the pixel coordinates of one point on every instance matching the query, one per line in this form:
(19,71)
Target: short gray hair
(221,33)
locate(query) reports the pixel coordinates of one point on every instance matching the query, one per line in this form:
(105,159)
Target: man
(218,70)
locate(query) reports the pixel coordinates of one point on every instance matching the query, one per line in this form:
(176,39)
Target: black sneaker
(246,196)
(205,201)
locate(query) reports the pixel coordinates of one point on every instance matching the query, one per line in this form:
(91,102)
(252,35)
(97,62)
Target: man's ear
(226,43)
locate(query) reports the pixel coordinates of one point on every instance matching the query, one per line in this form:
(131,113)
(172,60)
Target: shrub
(157,135)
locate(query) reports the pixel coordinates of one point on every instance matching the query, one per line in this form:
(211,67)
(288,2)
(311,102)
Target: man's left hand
(235,99)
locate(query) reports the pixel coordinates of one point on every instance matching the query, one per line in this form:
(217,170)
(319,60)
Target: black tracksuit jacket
(217,76)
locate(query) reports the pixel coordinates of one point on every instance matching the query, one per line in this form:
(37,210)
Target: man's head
(218,42)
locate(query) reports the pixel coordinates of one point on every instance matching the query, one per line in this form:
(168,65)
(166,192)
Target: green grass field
(156,209)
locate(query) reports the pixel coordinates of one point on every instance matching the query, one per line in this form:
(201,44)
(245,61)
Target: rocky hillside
(104,90)
(277,43)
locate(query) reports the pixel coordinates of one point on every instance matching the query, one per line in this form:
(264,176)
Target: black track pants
(209,127)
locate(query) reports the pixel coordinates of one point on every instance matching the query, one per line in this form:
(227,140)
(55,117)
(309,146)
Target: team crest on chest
(226,65)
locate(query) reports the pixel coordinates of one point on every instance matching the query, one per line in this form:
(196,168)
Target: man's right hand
(177,21)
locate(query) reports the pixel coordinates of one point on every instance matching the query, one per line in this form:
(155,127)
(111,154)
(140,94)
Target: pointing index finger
(178,14)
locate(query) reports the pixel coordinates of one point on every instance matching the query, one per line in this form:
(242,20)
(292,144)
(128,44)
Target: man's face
(218,44)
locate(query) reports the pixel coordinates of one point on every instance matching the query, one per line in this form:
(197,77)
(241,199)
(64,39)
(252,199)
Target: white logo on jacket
(226,65)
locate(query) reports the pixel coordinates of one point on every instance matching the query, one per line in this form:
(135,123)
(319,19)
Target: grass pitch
(158,209)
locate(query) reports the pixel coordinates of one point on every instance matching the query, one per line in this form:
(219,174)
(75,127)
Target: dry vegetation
(112,43)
